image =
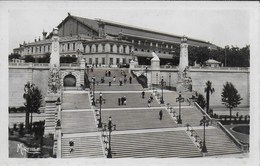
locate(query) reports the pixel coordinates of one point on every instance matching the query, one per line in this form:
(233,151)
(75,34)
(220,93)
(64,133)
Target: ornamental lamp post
(170,81)
(100,101)
(109,127)
(179,99)
(205,122)
(93,81)
(162,83)
(146,68)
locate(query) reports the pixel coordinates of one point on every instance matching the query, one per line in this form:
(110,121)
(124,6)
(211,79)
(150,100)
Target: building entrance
(69,81)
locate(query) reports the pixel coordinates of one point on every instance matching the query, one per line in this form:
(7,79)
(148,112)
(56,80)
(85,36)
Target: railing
(194,134)
(18,64)
(220,68)
(243,147)
(69,65)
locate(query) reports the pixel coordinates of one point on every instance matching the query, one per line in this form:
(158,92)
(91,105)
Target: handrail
(243,147)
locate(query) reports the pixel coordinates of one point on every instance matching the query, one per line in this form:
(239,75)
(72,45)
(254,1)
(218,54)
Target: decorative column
(184,82)
(54,91)
(155,69)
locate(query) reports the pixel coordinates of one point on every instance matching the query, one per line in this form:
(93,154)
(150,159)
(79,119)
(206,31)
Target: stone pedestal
(51,110)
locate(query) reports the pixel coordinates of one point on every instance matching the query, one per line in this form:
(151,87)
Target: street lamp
(170,81)
(226,47)
(93,81)
(157,79)
(146,68)
(179,99)
(205,122)
(109,127)
(162,83)
(100,101)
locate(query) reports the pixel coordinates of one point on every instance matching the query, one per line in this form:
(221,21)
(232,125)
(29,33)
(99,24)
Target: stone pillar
(54,91)
(183,54)
(155,69)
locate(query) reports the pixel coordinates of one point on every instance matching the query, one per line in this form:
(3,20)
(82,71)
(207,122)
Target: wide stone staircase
(218,143)
(134,100)
(85,146)
(190,115)
(138,119)
(75,100)
(78,122)
(154,144)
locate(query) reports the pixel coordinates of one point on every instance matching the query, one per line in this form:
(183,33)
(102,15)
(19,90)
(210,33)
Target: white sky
(218,24)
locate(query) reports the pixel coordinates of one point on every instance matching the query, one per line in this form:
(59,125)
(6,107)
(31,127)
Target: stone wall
(20,75)
(218,77)
(239,79)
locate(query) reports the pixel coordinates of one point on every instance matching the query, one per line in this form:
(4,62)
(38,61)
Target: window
(111,48)
(90,60)
(124,61)
(103,61)
(40,49)
(142,50)
(135,49)
(103,48)
(68,45)
(123,49)
(117,49)
(111,61)
(73,46)
(96,60)
(148,50)
(96,48)
(117,60)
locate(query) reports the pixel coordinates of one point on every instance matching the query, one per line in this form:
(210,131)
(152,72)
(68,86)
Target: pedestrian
(143,93)
(237,114)
(71,143)
(114,78)
(122,100)
(120,81)
(130,80)
(160,114)
(125,79)
(119,101)
(109,83)
(106,73)
(151,97)
(149,103)
(109,73)
(92,69)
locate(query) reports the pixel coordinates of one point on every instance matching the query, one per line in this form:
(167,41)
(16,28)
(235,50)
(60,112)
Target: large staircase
(190,115)
(78,122)
(154,144)
(139,119)
(75,100)
(88,146)
(218,143)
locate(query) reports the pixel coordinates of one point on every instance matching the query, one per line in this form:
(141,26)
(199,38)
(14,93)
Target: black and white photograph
(130,83)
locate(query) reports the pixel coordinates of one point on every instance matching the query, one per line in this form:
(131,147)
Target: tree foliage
(201,101)
(230,97)
(209,90)
(45,58)
(33,101)
(14,56)
(29,58)
(235,57)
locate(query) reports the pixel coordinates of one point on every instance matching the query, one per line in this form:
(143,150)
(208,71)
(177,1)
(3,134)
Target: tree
(208,90)
(29,58)
(33,101)
(14,56)
(201,101)
(230,97)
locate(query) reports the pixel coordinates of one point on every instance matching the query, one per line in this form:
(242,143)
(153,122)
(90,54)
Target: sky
(218,25)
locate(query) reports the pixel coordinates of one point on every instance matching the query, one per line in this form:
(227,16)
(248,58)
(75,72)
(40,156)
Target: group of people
(149,100)
(122,100)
